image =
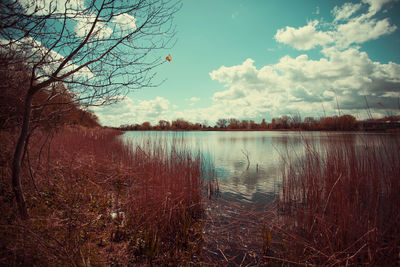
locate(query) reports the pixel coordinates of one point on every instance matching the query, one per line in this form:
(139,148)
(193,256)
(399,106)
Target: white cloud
(76,11)
(45,7)
(194,99)
(33,52)
(375,5)
(130,111)
(85,23)
(125,22)
(303,38)
(236,73)
(345,30)
(291,86)
(346,11)
(241,79)
(358,31)
(304,85)
(300,84)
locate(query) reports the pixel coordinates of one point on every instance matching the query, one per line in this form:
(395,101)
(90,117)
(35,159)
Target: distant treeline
(334,123)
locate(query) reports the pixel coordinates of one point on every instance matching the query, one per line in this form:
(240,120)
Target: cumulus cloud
(130,111)
(75,10)
(375,5)
(239,79)
(234,74)
(44,7)
(358,31)
(85,23)
(120,24)
(300,84)
(345,11)
(125,22)
(345,30)
(34,52)
(297,84)
(303,38)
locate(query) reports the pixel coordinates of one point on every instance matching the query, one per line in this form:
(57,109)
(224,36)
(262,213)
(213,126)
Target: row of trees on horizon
(334,123)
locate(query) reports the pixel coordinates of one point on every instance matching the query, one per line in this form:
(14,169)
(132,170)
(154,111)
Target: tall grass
(95,201)
(340,205)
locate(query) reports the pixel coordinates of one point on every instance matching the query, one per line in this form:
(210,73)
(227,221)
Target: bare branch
(99,49)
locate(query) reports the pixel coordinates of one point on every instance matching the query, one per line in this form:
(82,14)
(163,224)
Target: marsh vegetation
(100,197)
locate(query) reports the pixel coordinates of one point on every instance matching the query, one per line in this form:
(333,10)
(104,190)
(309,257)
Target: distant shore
(283,123)
(261,130)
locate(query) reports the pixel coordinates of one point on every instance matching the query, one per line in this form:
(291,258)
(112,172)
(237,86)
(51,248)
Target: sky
(255,59)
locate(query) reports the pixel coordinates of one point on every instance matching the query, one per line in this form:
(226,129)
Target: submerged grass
(94,201)
(339,205)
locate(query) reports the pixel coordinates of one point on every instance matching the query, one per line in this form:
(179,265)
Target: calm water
(248,164)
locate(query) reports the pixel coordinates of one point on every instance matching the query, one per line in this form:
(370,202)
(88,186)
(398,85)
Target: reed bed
(339,205)
(93,200)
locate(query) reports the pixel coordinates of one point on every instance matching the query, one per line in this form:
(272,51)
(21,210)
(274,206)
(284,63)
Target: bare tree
(295,121)
(221,123)
(233,123)
(100,49)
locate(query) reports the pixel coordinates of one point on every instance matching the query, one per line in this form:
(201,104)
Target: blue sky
(254,59)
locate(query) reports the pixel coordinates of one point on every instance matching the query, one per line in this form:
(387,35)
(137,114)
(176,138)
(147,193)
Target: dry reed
(339,205)
(95,201)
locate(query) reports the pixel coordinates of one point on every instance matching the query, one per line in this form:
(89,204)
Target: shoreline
(261,130)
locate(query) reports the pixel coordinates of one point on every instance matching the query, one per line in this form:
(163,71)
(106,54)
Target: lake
(248,163)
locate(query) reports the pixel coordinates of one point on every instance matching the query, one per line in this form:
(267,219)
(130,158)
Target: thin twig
(223,254)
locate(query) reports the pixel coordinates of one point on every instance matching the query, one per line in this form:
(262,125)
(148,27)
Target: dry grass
(339,206)
(94,201)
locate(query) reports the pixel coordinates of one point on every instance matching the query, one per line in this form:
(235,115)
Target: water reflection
(247,164)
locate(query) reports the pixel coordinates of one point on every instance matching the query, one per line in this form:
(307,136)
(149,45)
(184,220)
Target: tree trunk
(17,159)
